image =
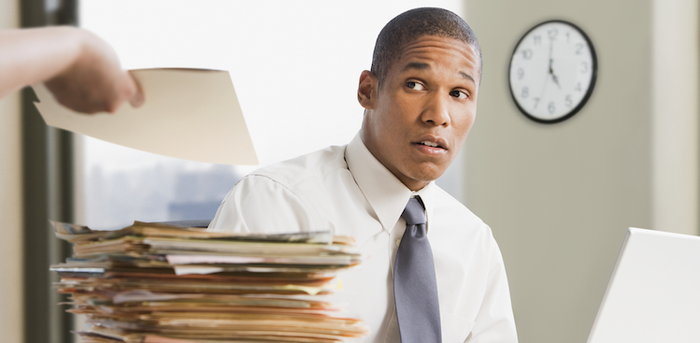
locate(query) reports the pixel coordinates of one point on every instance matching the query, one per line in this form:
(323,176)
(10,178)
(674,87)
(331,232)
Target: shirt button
(398,242)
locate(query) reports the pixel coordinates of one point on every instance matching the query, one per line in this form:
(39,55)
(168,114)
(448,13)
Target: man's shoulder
(294,190)
(451,204)
(312,165)
(459,225)
(453,210)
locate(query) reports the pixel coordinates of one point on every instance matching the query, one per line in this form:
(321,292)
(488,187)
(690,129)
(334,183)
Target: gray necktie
(415,288)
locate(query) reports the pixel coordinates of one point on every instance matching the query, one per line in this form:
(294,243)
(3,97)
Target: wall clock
(552,71)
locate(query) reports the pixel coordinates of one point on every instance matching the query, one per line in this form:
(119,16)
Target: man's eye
(415,85)
(459,94)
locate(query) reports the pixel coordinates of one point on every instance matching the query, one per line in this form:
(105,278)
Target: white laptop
(654,291)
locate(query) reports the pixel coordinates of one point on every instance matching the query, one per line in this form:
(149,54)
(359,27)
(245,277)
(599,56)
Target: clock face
(552,71)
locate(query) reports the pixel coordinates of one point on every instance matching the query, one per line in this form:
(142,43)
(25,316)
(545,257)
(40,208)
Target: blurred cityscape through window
(162,189)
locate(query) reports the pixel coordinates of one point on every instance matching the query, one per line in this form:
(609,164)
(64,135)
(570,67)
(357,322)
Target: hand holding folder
(191,114)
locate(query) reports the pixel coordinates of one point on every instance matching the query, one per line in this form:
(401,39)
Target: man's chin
(422,176)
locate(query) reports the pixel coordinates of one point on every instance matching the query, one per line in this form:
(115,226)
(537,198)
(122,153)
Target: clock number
(579,48)
(538,40)
(567,36)
(551,108)
(525,92)
(521,73)
(552,34)
(567,101)
(527,54)
(578,87)
(584,67)
(537,101)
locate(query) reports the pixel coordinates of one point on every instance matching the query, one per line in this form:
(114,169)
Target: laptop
(654,291)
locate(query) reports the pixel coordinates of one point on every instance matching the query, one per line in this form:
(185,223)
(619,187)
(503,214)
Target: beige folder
(191,114)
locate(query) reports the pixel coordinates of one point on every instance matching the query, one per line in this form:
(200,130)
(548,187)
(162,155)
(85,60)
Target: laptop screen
(654,291)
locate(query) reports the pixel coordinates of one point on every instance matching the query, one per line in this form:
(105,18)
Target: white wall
(560,197)
(11,298)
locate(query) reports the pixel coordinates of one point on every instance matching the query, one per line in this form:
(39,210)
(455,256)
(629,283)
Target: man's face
(416,122)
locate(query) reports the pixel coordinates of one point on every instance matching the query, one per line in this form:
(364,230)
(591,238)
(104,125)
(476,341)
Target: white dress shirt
(347,190)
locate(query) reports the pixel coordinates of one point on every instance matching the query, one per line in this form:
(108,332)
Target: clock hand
(551,72)
(554,77)
(544,87)
(551,60)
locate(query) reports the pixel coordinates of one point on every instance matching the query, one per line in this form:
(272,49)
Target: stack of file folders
(154,283)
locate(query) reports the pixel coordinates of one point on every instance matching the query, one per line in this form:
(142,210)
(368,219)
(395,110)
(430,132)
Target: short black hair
(412,24)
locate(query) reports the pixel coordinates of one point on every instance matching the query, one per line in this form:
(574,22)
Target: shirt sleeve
(495,322)
(258,203)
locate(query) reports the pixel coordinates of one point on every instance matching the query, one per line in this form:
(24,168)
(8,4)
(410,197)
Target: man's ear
(367,90)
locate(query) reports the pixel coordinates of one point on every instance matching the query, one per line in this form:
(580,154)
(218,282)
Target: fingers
(92,80)
(94,92)
(129,90)
(80,69)
(95,81)
(138,98)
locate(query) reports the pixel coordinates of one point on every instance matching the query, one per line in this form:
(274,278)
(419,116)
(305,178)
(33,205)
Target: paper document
(191,114)
(166,284)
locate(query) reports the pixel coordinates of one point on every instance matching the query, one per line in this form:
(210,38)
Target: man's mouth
(431,144)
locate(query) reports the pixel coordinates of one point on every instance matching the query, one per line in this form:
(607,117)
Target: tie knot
(414,214)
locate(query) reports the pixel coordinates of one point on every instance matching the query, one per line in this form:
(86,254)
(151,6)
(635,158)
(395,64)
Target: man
(420,102)
(81,70)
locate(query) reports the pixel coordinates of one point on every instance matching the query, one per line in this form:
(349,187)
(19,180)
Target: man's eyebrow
(467,76)
(416,65)
(423,66)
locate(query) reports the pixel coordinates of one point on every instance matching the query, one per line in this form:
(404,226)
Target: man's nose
(436,111)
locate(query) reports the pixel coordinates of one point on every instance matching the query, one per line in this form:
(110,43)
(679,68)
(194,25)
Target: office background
(558,197)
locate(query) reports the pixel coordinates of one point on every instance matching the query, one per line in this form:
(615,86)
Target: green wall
(560,197)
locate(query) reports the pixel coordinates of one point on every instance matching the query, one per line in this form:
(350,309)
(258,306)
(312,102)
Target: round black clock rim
(594,75)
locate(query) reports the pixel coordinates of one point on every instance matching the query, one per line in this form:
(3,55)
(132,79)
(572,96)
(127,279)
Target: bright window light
(295,66)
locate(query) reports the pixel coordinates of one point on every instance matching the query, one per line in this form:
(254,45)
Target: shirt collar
(386,194)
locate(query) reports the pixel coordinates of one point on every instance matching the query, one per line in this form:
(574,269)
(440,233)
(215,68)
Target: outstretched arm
(80,69)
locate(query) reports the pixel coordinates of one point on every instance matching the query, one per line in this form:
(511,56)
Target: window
(295,66)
